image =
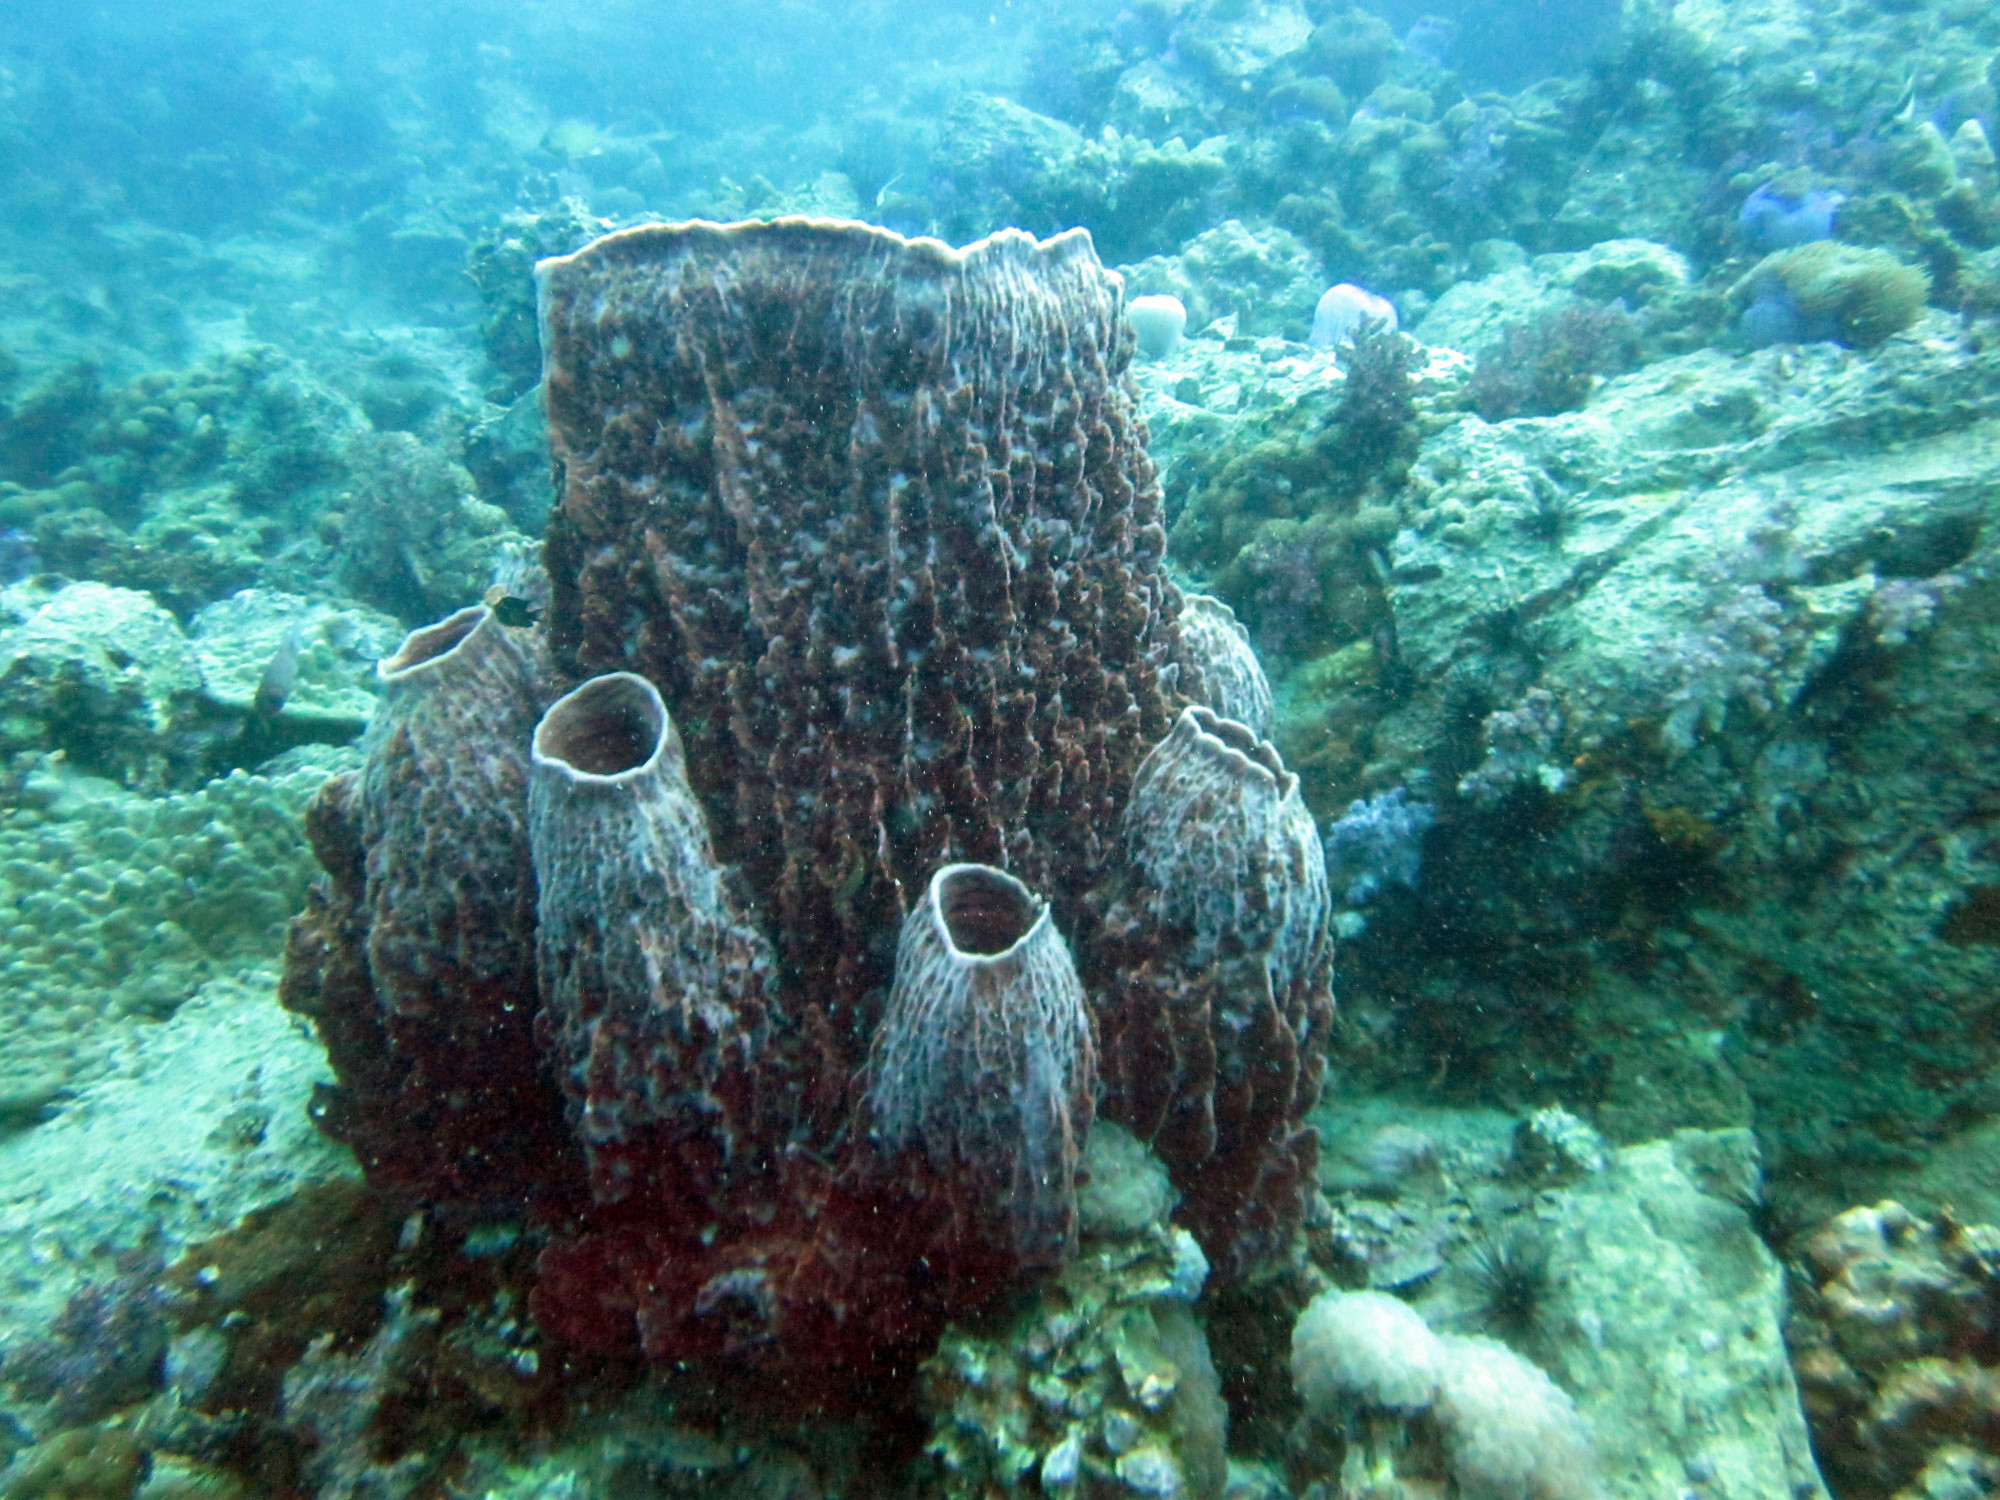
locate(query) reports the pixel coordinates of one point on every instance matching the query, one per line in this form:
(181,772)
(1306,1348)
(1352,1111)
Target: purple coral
(1521,749)
(1902,608)
(1772,220)
(1730,657)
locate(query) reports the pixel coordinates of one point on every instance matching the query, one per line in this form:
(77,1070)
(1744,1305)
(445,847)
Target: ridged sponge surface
(876,517)
(985,1058)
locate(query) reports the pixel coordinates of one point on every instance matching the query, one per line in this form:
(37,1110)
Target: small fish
(1432,38)
(572,138)
(511,610)
(280,676)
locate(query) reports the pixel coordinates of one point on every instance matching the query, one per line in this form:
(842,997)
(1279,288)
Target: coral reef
(118,906)
(1413,1407)
(1103,1384)
(1548,366)
(105,1349)
(1825,290)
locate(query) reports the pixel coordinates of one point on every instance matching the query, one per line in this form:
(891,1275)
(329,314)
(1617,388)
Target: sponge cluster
(1507,1431)
(114,904)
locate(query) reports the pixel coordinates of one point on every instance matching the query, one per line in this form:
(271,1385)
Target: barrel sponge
(442,794)
(1215,645)
(984,1057)
(876,517)
(1356,1349)
(652,977)
(1510,1432)
(1217,826)
(1220,998)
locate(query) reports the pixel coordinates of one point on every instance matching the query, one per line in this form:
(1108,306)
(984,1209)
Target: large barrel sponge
(1220,992)
(876,517)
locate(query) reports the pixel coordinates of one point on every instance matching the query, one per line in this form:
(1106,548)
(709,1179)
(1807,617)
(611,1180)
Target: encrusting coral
(856,582)
(1897,1348)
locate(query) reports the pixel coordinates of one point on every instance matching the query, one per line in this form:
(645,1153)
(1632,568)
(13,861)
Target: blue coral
(1771,220)
(1378,841)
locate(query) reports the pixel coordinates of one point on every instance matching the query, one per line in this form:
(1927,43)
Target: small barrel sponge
(448,884)
(1217,826)
(1233,684)
(652,978)
(984,1056)
(1159,321)
(1510,1432)
(1220,995)
(1359,1349)
(1341,312)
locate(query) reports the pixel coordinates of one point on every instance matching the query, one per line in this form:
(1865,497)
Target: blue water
(1625,596)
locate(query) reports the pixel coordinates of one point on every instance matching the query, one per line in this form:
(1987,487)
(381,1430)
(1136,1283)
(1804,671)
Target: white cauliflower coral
(1367,1365)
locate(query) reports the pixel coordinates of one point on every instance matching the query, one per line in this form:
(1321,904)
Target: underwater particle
(1343,310)
(1159,321)
(1511,1269)
(1770,220)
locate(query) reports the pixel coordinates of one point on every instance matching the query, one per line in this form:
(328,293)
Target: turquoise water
(1206,747)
